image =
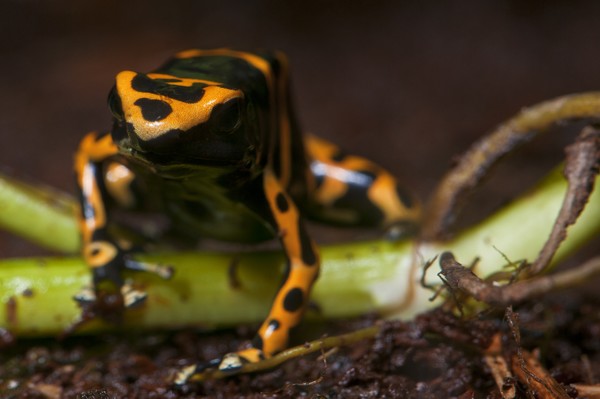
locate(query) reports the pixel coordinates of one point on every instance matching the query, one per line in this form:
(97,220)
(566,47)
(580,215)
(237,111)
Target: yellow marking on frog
(118,182)
(91,191)
(92,151)
(382,193)
(99,253)
(331,188)
(184,115)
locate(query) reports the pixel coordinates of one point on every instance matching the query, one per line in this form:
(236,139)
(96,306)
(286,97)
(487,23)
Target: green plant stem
(356,278)
(45,216)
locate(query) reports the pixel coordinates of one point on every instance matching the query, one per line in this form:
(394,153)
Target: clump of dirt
(436,355)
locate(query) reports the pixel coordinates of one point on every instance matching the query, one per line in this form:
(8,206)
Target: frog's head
(170,119)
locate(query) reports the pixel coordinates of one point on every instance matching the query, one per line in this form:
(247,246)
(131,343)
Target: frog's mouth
(195,146)
(167,162)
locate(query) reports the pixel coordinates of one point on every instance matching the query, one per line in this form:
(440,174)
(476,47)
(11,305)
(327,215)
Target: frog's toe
(400,230)
(184,375)
(86,295)
(132,297)
(194,371)
(230,364)
(234,361)
(163,271)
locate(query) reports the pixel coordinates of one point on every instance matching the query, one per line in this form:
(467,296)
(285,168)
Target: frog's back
(248,72)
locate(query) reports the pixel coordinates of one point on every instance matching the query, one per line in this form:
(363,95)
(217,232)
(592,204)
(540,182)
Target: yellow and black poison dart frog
(210,139)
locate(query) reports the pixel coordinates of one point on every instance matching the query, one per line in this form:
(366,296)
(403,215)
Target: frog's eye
(114,104)
(225,118)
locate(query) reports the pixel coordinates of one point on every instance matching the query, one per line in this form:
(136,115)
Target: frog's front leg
(104,254)
(302,269)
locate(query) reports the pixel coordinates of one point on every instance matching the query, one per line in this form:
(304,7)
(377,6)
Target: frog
(210,139)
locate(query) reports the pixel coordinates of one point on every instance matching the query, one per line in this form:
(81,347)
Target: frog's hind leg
(350,190)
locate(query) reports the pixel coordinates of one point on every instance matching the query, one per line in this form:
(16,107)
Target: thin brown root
(500,371)
(587,391)
(581,168)
(526,368)
(539,382)
(460,278)
(475,164)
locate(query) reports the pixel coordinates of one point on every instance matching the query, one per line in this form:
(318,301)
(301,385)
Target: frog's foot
(233,362)
(131,297)
(195,371)
(399,230)
(230,364)
(163,271)
(86,295)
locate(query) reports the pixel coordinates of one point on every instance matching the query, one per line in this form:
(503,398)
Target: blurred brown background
(409,85)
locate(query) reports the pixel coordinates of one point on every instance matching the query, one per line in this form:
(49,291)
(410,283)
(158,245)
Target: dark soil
(437,355)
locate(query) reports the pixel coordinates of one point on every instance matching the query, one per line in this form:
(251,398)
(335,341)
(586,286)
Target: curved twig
(475,164)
